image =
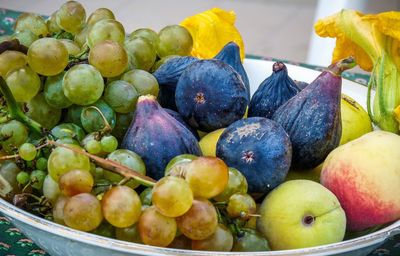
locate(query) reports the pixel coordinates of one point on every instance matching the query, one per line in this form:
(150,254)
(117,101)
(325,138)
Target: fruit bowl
(60,240)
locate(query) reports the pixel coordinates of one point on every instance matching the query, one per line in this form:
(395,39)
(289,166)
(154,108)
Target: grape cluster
(76,86)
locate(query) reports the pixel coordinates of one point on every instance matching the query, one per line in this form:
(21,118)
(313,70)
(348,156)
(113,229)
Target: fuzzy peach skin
(364,174)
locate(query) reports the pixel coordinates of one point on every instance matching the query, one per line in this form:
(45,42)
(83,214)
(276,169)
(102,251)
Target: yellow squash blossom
(374,41)
(211,31)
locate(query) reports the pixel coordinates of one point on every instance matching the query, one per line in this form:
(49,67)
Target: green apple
(299,214)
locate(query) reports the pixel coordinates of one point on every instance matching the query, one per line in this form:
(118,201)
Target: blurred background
(281,29)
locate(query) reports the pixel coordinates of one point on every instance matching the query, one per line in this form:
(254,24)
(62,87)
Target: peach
(364,174)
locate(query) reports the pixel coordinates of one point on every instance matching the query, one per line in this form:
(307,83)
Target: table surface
(14,243)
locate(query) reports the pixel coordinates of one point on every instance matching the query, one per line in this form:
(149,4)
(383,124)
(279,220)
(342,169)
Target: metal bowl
(60,240)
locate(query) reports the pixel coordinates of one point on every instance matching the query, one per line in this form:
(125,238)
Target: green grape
(200,221)
(174,40)
(129,159)
(146,196)
(68,130)
(71,17)
(68,140)
(121,96)
(14,134)
(109,57)
(27,151)
(37,178)
(239,205)
(52,25)
(207,176)
(10,61)
(58,209)
(9,171)
(100,14)
(47,56)
(83,84)
(83,212)
(237,183)
(51,190)
(156,229)
(72,47)
(146,33)
(80,38)
(63,160)
(250,241)
(74,114)
(221,240)
(141,53)
(25,37)
(105,229)
(121,206)
(23,178)
(53,92)
(109,143)
(39,110)
(24,83)
(32,22)
(93,147)
(92,120)
(144,82)
(130,234)
(103,30)
(161,62)
(177,166)
(75,182)
(122,124)
(98,173)
(172,196)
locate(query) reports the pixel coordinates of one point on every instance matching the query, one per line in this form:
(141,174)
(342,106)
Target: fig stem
(111,166)
(342,65)
(16,112)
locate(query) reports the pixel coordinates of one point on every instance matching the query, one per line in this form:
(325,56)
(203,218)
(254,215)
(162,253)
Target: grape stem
(14,110)
(107,127)
(111,166)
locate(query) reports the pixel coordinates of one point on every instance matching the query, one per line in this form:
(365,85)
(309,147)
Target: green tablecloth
(14,243)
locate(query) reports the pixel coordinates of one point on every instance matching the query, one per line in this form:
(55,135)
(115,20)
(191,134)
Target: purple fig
(157,137)
(312,117)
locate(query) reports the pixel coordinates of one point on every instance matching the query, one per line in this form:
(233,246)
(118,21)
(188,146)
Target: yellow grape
(24,83)
(105,30)
(63,160)
(109,57)
(71,17)
(221,240)
(51,23)
(100,14)
(47,56)
(121,206)
(58,209)
(83,212)
(11,60)
(172,196)
(200,221)
(156,229)
(33,22)
(75,182)
(207,176)
(72,47)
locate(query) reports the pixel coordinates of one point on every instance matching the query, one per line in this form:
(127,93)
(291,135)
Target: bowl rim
(25,217)
(16,213)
